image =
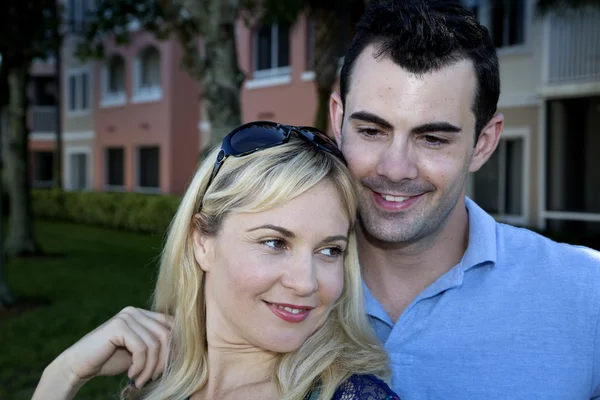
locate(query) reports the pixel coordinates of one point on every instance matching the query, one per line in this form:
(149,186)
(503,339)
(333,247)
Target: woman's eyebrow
(283,231)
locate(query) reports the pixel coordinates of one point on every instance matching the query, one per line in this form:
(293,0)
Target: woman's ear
(203,245)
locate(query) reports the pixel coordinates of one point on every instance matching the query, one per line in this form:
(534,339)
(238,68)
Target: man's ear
(203,245)
(487,142)
(336,116)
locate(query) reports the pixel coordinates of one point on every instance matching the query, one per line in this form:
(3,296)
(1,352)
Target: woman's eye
(274,243)
(332,251)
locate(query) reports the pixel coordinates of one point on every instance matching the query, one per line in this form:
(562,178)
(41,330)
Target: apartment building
(146,117)
(545,172)
(132,120)
(41,118)
(77,117)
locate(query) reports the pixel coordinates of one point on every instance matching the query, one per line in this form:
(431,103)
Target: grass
(101,272)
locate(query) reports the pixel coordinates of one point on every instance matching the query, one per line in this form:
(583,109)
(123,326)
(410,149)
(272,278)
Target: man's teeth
(397,199)
(289,309)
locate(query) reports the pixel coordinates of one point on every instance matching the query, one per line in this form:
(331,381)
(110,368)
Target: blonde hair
(342,346)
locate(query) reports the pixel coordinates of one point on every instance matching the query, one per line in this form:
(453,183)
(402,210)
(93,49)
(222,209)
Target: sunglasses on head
(259,135)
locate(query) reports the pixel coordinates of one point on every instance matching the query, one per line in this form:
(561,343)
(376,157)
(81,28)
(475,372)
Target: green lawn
(101,272)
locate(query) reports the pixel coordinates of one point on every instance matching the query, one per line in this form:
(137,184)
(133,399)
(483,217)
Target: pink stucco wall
(155,123)
(293,103)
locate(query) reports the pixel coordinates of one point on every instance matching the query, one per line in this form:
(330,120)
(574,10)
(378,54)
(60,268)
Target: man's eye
(368,131)
(434,140)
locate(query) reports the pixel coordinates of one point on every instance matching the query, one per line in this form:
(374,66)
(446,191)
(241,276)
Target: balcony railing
(43,119)
(574,46)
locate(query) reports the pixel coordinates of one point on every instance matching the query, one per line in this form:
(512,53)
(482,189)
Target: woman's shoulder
(364,387)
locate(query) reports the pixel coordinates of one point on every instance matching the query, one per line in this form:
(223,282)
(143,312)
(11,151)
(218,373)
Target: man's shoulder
(515,243)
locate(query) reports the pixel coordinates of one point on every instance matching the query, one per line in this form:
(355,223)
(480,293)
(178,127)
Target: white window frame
(114,188)
(138,187)
(146,94)
(69,151)
(274,76)
(522,219)
(113,99)
(484,16)
(78,73)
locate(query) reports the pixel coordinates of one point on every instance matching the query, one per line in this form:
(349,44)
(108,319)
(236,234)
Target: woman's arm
(134,340)
(57,383)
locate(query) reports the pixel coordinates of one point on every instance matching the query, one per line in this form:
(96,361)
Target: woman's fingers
(163,319)
(149,353)
(160,326)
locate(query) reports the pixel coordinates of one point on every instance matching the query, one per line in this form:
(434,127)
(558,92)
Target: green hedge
(129,211)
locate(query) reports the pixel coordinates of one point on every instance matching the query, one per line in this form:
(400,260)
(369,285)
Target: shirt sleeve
(596,362)
(364,387)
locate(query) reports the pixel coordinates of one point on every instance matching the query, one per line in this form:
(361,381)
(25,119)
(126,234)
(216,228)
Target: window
(507,23)
(113,77)
(115,168)
(471,5)
(77,168)
(78,14)
(271,50)
(43,167)
(505,19)
(499,187)
(148,168)
(44,90)
(78,82)
(572,161)
(147,75)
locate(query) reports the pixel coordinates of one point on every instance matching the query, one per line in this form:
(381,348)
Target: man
(466,307)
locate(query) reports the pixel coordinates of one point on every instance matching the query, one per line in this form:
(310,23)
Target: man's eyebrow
(436,127)
(370,117)
(283,231)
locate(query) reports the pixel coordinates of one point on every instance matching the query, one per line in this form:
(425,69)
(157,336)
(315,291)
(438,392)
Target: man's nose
(398,162)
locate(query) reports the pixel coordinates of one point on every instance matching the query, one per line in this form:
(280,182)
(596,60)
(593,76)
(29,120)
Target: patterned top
(359,387)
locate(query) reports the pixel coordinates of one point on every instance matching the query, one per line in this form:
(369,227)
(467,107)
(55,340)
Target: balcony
(42,119)
(573,53)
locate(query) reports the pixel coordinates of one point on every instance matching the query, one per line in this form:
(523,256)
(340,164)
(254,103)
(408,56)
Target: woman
(259,290)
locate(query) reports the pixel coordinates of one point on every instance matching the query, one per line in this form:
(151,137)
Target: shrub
(129,211)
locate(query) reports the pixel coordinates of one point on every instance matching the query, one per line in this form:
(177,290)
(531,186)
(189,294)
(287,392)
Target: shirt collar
(482,247)
(373,307)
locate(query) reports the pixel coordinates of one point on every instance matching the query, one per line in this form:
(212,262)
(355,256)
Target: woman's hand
(134,340)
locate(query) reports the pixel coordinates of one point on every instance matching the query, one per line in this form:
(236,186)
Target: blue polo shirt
(516,318)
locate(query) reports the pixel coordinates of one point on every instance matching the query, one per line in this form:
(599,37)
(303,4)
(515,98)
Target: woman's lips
(289,312)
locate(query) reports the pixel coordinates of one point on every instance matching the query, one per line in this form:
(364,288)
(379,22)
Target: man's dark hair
(424,36)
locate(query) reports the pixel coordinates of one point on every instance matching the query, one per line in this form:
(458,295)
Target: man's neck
(396,274)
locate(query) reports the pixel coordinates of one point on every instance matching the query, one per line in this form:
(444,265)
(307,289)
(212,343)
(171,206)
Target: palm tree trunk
(20,239)
(218,73)
(326,59)
(6,297)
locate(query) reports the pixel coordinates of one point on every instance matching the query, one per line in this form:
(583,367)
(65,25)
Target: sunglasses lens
(321,140)
(256,136)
